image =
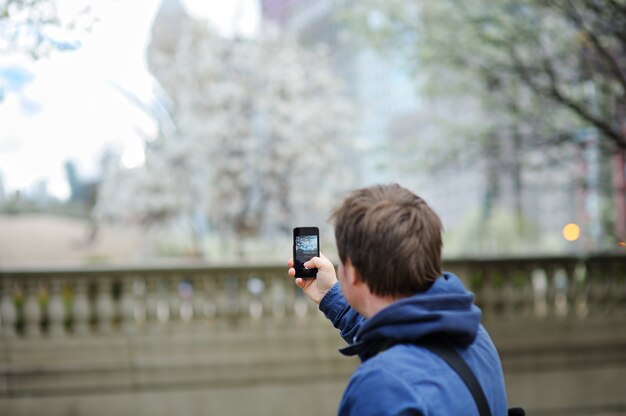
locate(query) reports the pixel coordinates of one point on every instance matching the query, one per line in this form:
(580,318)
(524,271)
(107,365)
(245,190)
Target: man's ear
(352,273)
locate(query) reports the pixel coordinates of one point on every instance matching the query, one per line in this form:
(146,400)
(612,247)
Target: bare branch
(603,52)
(555,92)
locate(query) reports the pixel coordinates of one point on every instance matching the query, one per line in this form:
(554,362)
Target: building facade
(528,193)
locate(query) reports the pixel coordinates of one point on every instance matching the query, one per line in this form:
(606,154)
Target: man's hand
(316,288)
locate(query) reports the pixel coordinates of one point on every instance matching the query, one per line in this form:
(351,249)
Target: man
(390,297)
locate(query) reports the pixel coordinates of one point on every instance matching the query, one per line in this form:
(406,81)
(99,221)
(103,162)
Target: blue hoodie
(408,379)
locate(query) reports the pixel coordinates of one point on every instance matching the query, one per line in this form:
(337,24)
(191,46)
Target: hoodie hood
(446,309)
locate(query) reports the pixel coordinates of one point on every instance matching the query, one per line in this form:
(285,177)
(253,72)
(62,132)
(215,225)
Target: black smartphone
(306,245)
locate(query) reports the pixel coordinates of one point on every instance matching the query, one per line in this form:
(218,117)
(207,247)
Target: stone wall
(235,341)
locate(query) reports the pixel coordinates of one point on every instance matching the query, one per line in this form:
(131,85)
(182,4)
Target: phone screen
(305,246)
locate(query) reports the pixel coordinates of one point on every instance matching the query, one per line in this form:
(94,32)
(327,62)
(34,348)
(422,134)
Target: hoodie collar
(445,309)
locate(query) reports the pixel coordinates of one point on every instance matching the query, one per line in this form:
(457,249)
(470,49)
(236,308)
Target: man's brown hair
(392,237)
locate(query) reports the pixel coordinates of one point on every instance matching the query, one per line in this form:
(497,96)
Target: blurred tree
(36,27)
(543,71)
(261,130)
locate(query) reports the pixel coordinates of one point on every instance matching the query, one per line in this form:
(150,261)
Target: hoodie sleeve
(379,392)
(336,308)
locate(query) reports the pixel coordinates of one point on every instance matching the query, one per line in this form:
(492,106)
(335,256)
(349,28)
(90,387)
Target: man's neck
(373,304)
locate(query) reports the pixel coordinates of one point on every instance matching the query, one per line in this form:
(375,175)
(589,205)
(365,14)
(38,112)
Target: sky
(73,105)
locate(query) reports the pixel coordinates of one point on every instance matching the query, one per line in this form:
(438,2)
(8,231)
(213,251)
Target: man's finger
(317,262)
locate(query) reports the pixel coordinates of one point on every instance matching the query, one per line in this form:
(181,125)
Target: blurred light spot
(185,290)
(256,286)
(133,156)
(571,232)
(622,243)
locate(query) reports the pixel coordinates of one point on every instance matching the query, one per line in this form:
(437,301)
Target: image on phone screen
(306,246)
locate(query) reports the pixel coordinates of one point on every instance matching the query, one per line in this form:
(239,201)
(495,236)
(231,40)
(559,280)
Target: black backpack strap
(450,355)
(444,349)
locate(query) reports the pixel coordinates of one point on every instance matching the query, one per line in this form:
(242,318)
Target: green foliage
(552,66)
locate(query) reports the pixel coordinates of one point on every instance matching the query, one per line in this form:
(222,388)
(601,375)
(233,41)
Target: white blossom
(262,141)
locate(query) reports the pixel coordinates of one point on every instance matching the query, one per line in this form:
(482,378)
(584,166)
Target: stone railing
(546,287)
(128,300)
(157,335)
(105,300)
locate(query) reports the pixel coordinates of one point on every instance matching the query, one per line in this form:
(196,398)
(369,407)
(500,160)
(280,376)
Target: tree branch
(606,55)
(617,6)
(554,92)
(613,12)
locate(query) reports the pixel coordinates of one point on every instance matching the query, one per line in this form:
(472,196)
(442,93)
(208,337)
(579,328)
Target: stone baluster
(551,290)
(621,300)
(612,282)
(302,305)
(266,298)
(173,299)
(105,308)
(604,304)
(81,308)
(199,298)
(598,292)
(256,287)
(508,295)
(152,305)
(8,311)
(559,283)
(312,309)
(279,299)
(204,306)
(32,309)
(139,293)
(127,306)
(231,291)
(594,292)
(619,289)
(290,295)
(286,300)
(571,291)
(222,302)
(499,282)
(539,285)
(219,295)
(476,285)
(488,294)
(56,309)
(526,294)
(244,296)
(164,314)
(581,287)
(511,291)
(186,291)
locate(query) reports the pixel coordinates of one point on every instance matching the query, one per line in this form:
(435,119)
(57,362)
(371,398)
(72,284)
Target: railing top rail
(148,269)
(537,259)
(198,268)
